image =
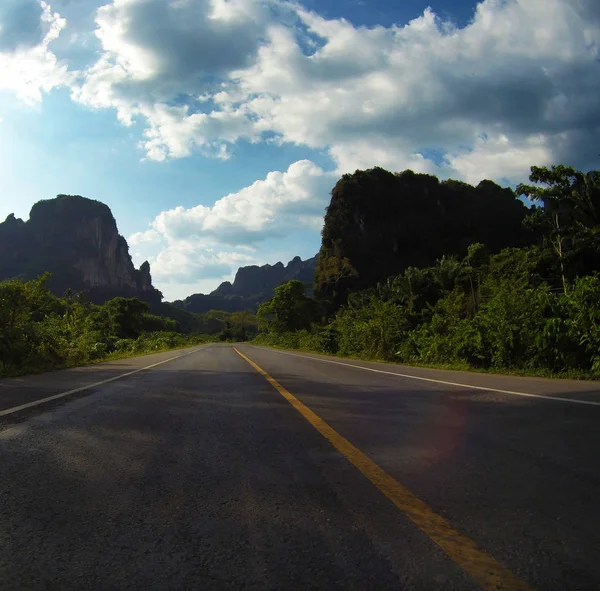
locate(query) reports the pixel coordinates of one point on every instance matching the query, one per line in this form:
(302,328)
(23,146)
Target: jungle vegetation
(449,284)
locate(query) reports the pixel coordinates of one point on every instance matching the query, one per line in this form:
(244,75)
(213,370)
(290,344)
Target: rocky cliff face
(76,239)
(254,280)
(379,223)
(252,285)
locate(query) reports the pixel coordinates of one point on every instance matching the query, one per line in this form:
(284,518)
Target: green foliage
(372,330)
(533,309)
(242,326)
(318,339)
(569,217)
(40,331)
(126,316)
(154,323)
(288,310)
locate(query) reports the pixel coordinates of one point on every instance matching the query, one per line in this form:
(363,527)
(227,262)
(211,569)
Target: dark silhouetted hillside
(379,223)
(77,241)
(251,286)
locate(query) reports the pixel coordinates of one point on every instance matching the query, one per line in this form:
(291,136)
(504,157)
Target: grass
(536,373)
(113,356)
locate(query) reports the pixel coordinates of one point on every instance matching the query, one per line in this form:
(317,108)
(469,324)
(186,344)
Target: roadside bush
(124,345)
(513,322)
(39,331)
(372,331)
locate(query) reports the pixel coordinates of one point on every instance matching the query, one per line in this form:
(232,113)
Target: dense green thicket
(534,308)
(40,331)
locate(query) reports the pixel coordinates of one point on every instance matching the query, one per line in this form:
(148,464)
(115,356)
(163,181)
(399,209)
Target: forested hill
(533,309)
(379,223)
(251,286)
(77,241)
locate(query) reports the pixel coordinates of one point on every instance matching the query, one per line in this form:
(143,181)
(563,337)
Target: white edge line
(33,403)
(402,375)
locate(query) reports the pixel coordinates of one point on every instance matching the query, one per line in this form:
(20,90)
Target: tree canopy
(568,217)
(288,310)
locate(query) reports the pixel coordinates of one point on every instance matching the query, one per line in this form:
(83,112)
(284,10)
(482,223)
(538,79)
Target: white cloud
(164,82)
(188,262)
(187,245)
(387,153)
(204,74)
(500,158)
(147,237)
(523,72)
(27,65)
(268,207)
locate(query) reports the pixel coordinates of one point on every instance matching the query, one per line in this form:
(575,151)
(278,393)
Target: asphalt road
(200,473)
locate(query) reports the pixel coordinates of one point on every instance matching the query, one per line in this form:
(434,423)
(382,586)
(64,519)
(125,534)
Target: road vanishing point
(242,467)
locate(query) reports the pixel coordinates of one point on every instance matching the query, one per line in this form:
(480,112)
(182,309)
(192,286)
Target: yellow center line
(476,562)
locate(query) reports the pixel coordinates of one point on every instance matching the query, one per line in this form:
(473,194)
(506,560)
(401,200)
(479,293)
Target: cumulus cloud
(212,241)
(269,207)
(387,153)
(202,75)
(502,159)
(164,82)
(188,262)
(150,236)
(28,67)
(523,71)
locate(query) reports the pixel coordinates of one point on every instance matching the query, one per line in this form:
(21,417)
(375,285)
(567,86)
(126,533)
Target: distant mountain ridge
(252,285)
(75,239)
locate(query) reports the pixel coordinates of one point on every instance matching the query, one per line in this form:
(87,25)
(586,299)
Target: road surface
(247,468)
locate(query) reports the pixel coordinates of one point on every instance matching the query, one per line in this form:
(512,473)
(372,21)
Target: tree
(40,331)
(569,214)
(332,278)
(476,265)
(25,308)
(126,316)
(288,310)
(447,272)
(373,330)
(243,325)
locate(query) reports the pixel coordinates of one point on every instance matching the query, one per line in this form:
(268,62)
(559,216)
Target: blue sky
(215,129)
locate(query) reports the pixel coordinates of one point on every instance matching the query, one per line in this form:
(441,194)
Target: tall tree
(288,310)
(569,215)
